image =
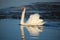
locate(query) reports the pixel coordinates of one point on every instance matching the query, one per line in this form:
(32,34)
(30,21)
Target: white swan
(34,24)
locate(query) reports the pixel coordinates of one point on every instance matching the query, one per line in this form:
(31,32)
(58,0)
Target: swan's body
(37,25)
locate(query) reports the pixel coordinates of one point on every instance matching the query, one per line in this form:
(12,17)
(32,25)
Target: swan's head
(23,8)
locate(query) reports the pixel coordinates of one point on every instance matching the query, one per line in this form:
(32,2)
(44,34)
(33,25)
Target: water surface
(10,30)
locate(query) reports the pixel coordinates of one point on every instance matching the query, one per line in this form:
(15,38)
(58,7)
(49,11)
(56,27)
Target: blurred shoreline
(47,10)
(19,17)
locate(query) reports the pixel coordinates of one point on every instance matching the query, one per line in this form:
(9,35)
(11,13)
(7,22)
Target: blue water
(10,30)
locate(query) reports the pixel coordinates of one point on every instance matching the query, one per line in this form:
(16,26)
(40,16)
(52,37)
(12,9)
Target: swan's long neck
(23,15)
